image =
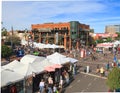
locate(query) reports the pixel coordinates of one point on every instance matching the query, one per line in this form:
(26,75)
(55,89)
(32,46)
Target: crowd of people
(54,84)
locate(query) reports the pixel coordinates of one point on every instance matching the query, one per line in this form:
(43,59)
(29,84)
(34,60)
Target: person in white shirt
(41,86)
(54,89)
(61,81)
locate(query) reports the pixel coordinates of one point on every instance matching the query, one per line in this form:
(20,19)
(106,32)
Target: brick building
(70,34)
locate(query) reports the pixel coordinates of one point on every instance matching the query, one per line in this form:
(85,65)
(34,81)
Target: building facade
(70,34)
(112,29)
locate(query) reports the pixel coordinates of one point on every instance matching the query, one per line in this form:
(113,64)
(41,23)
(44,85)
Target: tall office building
(70,34)
(112,29)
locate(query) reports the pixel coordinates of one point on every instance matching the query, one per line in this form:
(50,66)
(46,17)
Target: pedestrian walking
(67,78)
(50,85)
(112,64)
(107,66)
(13,89)
(54,88)
(61,81)
(102,71)
(41,86)
(98,69)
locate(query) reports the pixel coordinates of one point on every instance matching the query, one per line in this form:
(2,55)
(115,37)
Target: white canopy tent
(30,59)
(54,46)
(56,54)
(16,70)
(9,76)
(72,60)
(25,69)
(116,43)
(105,45)
(47,46)
(57,58)
(39,66)
(20,68)
(41,45)
(12,65)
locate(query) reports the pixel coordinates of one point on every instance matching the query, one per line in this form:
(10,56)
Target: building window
(73,32)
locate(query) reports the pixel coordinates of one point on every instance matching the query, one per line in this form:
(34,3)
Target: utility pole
(11,37)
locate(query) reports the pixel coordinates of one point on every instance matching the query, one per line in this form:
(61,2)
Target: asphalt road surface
(87,83)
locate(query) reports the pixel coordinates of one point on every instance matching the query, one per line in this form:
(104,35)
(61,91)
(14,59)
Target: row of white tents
(109,44)
(16,71)
(41,45)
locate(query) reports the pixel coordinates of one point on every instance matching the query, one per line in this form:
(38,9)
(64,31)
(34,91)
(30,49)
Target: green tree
(14,39)
(92,30)
(99,41)
(109,39)
(4,31)
(118,38)
(6,51)
(113,80)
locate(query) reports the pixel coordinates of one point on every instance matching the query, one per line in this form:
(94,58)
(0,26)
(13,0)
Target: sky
(96,13)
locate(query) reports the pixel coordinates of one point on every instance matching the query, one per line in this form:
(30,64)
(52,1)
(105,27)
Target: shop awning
(56,66)
(49,69)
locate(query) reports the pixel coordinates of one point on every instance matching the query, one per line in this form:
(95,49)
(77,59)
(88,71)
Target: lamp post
(11,37)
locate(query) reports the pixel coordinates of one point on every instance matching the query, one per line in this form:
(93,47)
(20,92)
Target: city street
(90,82)
(87,83)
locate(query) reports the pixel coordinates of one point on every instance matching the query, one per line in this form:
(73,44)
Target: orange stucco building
(69,34)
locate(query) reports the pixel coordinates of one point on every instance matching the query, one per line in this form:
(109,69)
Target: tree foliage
(118,38)
(113,80)
(109,39)
(6,51)
(15,40)
(101,40)
(4,32)
(92,30)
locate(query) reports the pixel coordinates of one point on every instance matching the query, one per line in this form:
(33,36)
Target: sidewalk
(93,75)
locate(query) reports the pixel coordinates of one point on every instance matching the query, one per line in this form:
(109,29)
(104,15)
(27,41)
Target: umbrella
(49,69)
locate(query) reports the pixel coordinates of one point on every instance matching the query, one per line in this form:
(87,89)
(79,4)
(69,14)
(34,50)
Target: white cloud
(48,9)
(22,14)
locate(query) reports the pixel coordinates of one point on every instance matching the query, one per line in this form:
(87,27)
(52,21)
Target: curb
(93,75)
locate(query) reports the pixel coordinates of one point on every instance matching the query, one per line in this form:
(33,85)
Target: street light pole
(11,37)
